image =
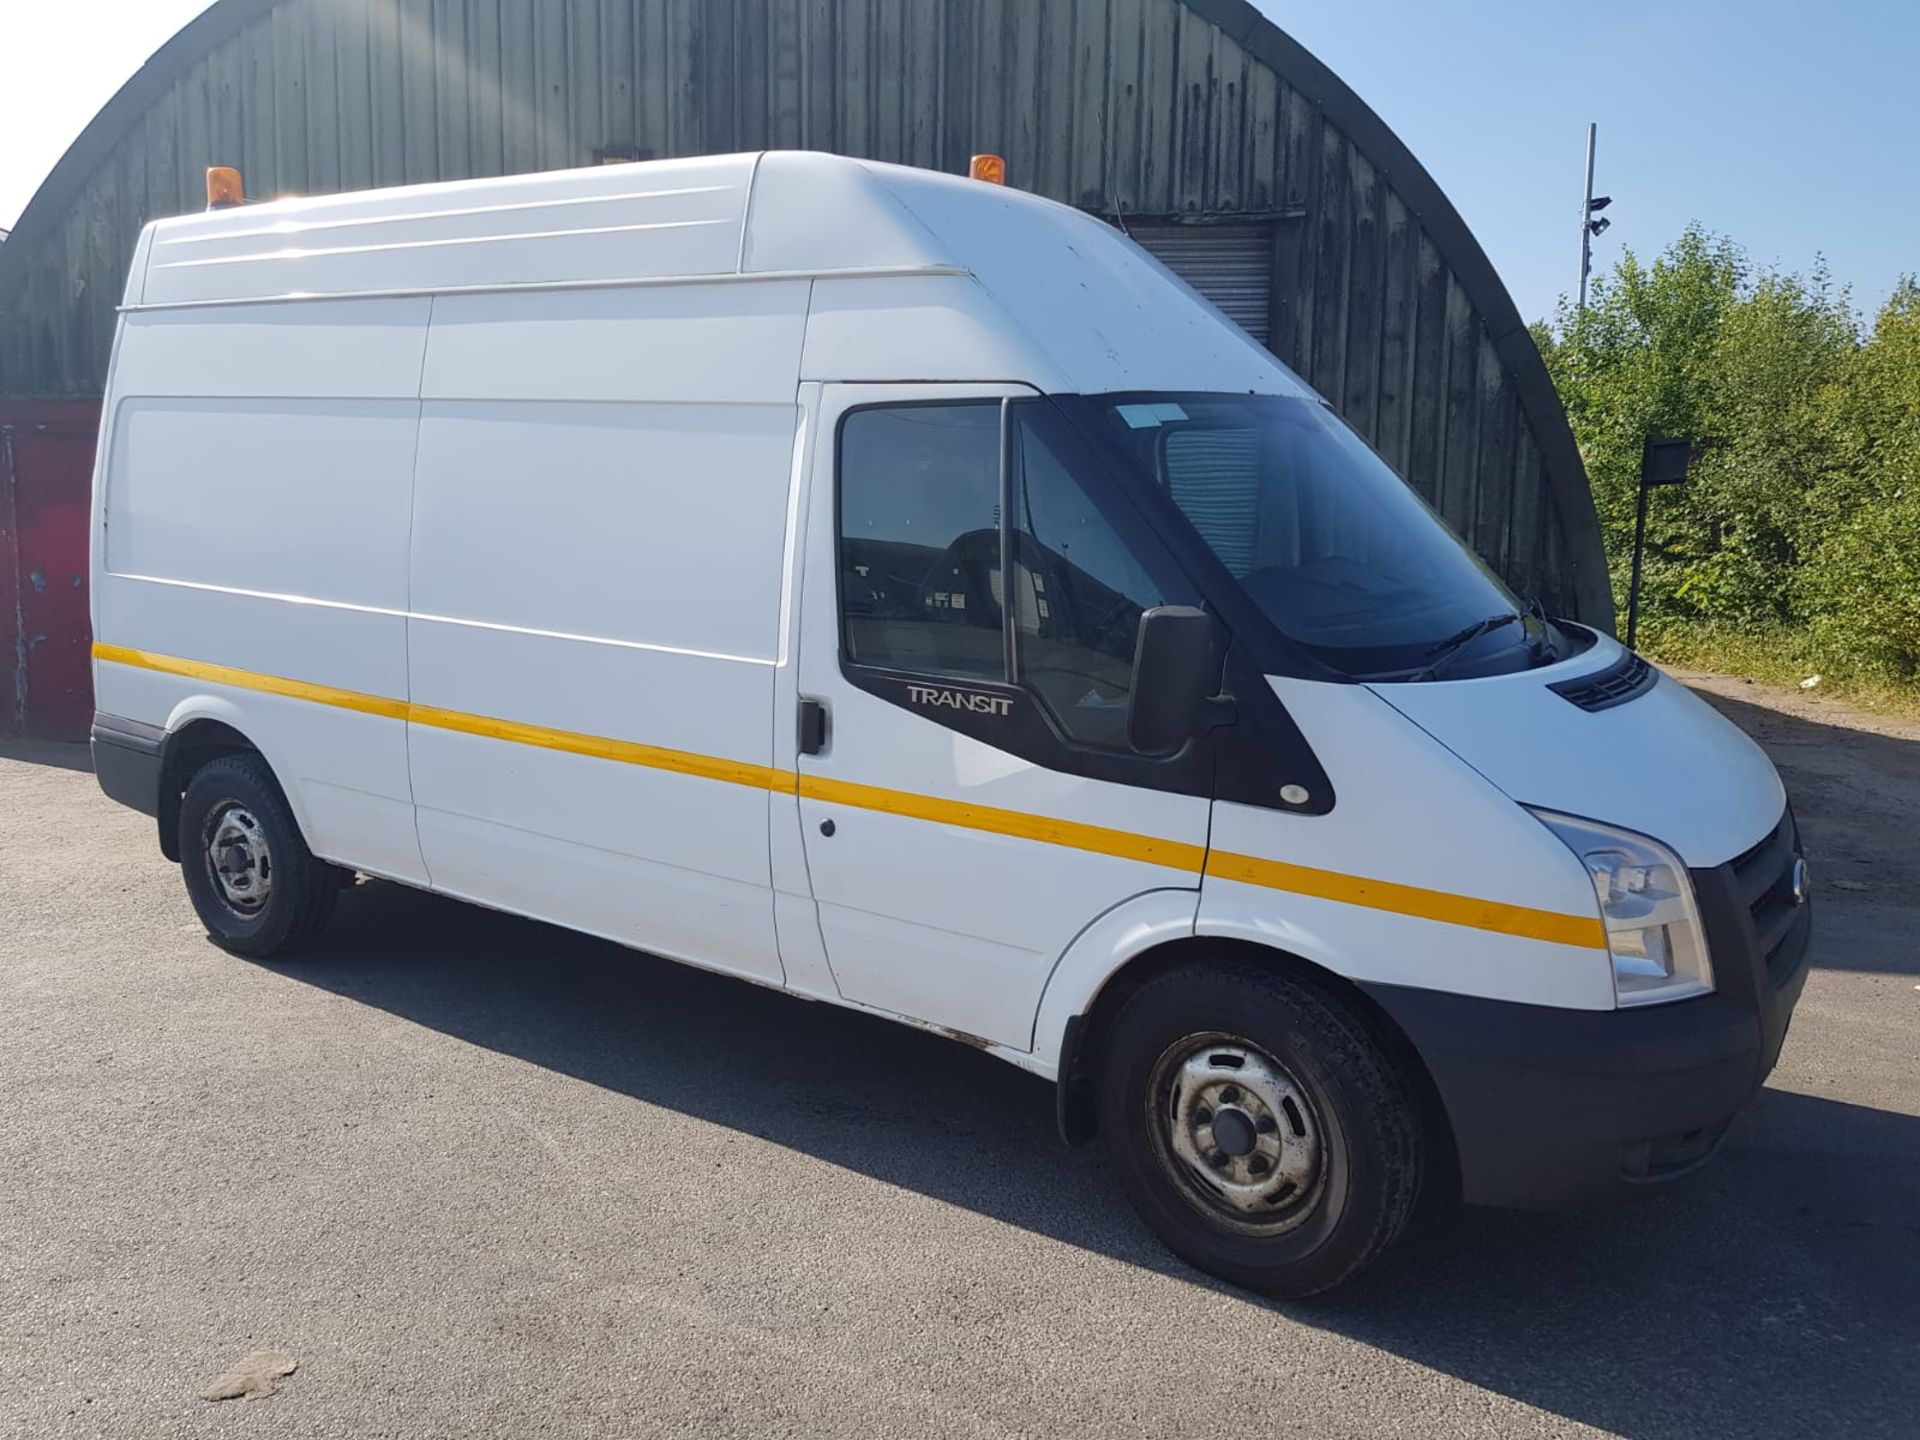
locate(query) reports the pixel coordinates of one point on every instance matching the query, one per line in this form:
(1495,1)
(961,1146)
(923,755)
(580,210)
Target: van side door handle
(813,726)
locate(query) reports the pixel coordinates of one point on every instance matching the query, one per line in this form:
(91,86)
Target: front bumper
(1553,1108)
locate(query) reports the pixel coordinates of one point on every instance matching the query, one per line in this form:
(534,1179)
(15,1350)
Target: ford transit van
(904,592)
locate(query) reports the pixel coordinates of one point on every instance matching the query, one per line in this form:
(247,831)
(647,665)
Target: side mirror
(1173,679)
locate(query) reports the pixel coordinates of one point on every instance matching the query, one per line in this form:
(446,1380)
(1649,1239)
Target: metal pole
(1586,216)
(1639,551)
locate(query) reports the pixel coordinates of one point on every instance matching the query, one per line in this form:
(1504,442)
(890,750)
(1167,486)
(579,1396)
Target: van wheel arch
(185,752)
(1080,1058)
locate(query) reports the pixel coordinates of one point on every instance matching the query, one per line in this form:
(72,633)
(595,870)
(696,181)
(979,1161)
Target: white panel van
(904,592)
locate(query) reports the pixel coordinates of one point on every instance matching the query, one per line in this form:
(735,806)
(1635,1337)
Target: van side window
(920,539)
(1078,591)
(923,540)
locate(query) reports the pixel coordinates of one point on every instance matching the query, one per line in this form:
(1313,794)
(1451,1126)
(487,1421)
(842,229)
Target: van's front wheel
(253,882)
(1259,1128)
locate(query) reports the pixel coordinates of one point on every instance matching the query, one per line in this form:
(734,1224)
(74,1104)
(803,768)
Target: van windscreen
(1336,549)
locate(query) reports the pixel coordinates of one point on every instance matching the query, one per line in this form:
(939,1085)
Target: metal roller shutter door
(1232,265)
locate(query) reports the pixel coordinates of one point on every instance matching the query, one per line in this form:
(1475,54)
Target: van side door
(972,591)
(599,529)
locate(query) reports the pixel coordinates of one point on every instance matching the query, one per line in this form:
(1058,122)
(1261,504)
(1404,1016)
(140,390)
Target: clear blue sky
(1794,128)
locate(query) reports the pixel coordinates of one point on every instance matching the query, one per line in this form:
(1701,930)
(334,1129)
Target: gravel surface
(475,1176)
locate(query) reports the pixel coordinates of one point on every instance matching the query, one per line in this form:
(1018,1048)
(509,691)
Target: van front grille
(1764,876)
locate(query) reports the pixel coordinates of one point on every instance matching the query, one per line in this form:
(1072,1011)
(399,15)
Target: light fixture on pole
(1591,228)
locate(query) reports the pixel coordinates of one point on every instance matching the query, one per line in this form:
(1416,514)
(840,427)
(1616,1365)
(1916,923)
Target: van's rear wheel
(255,885)
(1259,1127)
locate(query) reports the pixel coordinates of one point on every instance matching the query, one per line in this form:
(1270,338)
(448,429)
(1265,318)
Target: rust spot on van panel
(976,1041)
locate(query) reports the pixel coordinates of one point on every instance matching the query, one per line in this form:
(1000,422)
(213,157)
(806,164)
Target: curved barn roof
(1135,109)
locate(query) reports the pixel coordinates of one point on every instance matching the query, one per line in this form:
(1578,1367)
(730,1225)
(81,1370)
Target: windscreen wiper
(1443,654)
(1541,644)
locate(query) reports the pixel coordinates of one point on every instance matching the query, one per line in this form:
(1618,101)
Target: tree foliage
(1803,512)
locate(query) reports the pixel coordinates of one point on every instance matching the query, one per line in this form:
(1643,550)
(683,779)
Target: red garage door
(46,471)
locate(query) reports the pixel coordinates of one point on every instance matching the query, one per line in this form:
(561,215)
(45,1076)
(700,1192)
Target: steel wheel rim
(239,862)
(1237,1132)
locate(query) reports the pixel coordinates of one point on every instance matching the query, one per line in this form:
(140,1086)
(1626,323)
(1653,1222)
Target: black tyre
(256,886)
(1259,1127)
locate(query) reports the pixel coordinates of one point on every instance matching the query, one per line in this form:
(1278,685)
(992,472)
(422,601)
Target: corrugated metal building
(1209,134)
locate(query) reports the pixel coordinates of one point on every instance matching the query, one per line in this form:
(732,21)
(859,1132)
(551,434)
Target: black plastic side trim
(136,734)
(126,761)
(1073,1105)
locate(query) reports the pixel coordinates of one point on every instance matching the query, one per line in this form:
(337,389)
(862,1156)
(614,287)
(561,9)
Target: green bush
(1861,593)
(1802,517)
(1860,589)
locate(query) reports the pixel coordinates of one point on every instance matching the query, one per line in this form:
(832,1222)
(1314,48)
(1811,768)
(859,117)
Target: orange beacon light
(224,187)
(990,168)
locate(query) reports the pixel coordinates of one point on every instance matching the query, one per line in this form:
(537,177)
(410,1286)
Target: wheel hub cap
(1238,1131)
(1234,1134)
(238,860)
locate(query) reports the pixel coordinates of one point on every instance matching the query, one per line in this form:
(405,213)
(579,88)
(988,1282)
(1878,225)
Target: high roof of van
(1106,314)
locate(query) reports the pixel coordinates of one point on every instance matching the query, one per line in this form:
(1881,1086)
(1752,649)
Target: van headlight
(1646,900)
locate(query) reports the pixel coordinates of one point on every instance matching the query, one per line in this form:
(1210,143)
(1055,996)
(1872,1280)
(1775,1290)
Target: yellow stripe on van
(1410,900)
(1441,905)
(249,680)
(1016,823)
(625,752)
